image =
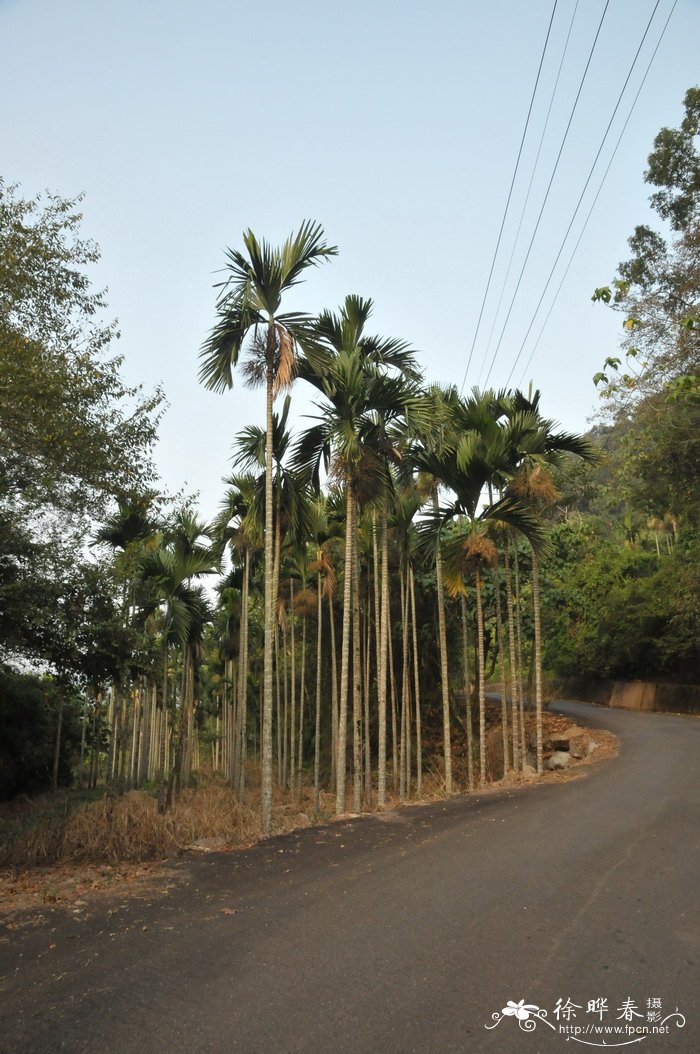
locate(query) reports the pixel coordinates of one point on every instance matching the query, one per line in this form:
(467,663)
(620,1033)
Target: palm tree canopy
(251,295)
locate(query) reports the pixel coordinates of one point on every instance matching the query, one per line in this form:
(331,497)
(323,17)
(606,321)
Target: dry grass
(128,828)
(112,830)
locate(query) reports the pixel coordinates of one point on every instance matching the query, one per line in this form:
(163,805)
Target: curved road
(400,934)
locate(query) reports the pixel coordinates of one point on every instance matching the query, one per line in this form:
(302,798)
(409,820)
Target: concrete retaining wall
(634,695)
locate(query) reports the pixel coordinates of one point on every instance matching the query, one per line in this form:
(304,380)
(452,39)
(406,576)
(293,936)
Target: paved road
(401,934)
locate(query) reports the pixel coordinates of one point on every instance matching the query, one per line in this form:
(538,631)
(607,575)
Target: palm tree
(169,573)
(249,304)
(325,583)
(239,526)
(360,399)
(476,454)
(536,445)
(425,454)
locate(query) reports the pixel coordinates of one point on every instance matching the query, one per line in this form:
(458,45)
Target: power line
(549,186)
(597,194)
(510,192)
(585,185)
(529,189)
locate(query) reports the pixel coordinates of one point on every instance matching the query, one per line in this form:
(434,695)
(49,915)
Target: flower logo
(521,1010)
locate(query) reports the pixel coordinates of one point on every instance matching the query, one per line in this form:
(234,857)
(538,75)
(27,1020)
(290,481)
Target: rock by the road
(558,760)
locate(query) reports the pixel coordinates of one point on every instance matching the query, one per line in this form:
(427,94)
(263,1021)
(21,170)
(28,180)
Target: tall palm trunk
(519,652)
(517,753)
(293,691)
(392,689)
(266,746)
(416,682)
(467,694)
(334,693)
(317,724)
(538,656)
(345,651)
(404,748)
(302,696)
(278,706)
(501,667)
(242,745)
(175,772)
(382,672)
(377,606)
(444,669)
(482,672)
(164,723)
(365,695)
(357,682)
(285,718)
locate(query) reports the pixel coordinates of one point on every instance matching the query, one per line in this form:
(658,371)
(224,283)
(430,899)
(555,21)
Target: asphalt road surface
(407,933)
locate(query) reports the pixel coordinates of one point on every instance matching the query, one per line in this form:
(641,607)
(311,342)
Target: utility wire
(585,186)
(593,204)
(529,190)
(510,193)
(549,187)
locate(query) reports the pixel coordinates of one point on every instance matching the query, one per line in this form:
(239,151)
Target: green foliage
(72,432)
(654,402)
(28,715)
(612,609)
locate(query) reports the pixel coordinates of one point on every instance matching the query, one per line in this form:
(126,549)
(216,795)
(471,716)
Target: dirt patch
(24,892)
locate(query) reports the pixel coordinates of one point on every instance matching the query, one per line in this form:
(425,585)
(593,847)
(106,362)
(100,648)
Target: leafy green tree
(652,390)
(73,433)
(29,706)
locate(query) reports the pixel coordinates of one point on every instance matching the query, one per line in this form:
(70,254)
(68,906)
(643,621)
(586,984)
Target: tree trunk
(334,694)
(444,668)
(242,747)
(357,683)
(518,759)
(83,736)
(93,774)
(519,652)
(174,781)
(293,691)
(57,745)
(501,668)
(482,685)
(365,696)
(467,694)
(404,788)
(302,693)
(285,717)
(278,705)
(538,656)
(382,672)
(416,681)
(317,724)
(266,719)
(345,652)
(392,689)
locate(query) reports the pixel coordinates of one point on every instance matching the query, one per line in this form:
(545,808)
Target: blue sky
(394,124)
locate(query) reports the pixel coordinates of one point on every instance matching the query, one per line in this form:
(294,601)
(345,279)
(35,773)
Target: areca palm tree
(361,397)
(249,306)
(239,526)
(169,574)
(426,454)
(536,445)
(477,453)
